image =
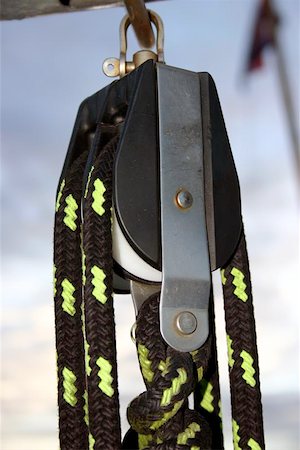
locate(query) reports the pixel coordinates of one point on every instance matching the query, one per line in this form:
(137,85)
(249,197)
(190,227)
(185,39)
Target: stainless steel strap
(186,276)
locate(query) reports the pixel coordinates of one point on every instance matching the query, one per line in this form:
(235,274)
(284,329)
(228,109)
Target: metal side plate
(186,279)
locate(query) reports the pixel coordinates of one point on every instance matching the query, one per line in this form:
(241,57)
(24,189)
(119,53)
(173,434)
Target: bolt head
(186,322)
(184,199)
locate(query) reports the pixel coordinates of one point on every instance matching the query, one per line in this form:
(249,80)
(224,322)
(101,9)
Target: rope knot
(160,415)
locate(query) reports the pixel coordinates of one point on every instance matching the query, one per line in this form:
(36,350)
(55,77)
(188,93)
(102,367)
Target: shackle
(114,67)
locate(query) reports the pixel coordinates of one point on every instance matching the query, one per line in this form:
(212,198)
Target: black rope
(242,349)
(160,418)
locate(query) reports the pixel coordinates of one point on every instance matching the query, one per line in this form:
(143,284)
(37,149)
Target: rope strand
(73,430)
(207,397)
(103,401)
(160,416)
(242,350)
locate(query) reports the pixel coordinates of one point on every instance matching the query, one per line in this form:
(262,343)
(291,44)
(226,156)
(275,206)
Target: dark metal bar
(140,21)
(21,9)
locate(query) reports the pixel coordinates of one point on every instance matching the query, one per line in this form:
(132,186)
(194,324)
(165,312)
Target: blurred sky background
(49,65)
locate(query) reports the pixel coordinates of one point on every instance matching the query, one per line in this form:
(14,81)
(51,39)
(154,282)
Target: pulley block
(176,199)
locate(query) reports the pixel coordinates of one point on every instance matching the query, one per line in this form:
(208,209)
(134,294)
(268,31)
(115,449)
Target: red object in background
(264,34)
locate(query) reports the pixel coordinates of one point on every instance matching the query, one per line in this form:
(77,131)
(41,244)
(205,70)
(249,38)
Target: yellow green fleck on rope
(69,299)
(188,433)
(143,354)
(70,212)
(98,196)
(247,365)
(254,445)
(87,357)
(88,182)
(200,373)
(83,257)
(238,282)
(144,440)
(59,195)
(167,416)
(105,376)
(111,218)
(223,278)
(175,387)
(91,442)
(99,285)
(164,366)
(86,408)
(236,437)
(86,344)
(199,369)
(207,400)
(220,411)
(86,419)
(229,351)
(70,389)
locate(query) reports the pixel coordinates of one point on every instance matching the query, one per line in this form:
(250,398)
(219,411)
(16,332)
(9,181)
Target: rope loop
(160,415)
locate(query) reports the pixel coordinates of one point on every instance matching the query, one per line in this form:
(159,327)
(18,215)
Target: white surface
(127,258)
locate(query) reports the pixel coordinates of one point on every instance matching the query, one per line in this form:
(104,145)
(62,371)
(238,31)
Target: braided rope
(73,430)
(207,392)
(160,416)
(86,348)
(87,371)
(103,401)
(242,352)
